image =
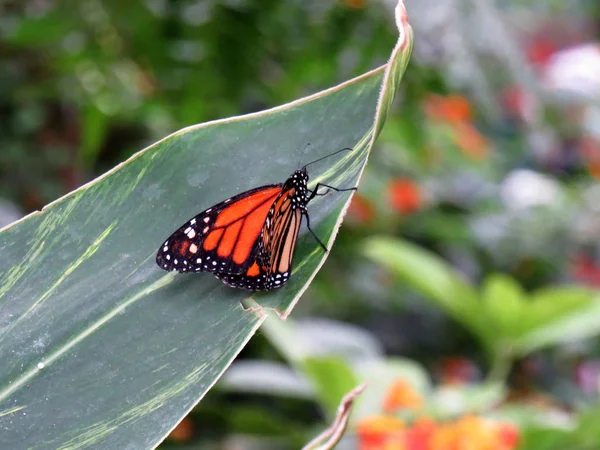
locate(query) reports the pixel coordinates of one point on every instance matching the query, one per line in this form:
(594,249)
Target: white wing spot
(199,261)
(214,263)
(168,257)
(187,230)
(193,248)
(227,201)
(175,261)
(192,222)
(205,230)
(165,249)
(206,219)
(208,210)
(191,234)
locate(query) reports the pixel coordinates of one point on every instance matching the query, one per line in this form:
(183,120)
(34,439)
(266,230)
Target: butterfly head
(300,177)
(299,181)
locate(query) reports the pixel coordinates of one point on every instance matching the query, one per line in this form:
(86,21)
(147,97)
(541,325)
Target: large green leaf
(435,279)
(508,321)
(100,348)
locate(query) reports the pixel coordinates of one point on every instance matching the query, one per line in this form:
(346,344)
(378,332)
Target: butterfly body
(248,240)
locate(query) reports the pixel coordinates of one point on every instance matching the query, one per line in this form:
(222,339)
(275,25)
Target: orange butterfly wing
(223,238)
(273,263)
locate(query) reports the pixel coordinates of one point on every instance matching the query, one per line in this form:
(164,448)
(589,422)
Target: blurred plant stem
(501,363)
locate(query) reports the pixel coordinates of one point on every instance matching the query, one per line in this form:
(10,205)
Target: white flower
(575,71)
(524,189)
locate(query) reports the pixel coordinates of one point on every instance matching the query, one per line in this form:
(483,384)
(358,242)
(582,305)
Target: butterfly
(248,240)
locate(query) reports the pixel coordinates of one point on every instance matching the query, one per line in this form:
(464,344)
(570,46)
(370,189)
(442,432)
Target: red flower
(374,432)
(419,435)
(404,195)
(361,209)
(509,435)
(452,108)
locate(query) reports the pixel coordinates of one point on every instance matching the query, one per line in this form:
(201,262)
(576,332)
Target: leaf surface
(102,349)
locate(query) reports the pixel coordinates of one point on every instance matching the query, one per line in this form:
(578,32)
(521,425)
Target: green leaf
(332,378)
(504,302)
(430,275)
(99,347)
(561,315)
(324,352)
(555,302)
(557,430)
(451,401)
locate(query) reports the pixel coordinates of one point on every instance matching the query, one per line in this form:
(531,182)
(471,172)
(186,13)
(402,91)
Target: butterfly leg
(315,192)
(312,232)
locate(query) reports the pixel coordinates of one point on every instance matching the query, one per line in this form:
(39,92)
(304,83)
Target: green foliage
(583,435)
(81,273)
(508,322)
(80,276)
(84,85)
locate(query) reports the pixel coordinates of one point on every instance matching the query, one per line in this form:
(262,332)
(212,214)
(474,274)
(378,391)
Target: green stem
(502,361)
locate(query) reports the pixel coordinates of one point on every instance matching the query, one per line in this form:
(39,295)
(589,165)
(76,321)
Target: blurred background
(483,184)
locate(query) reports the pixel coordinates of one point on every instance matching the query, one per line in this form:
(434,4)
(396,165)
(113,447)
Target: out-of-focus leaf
(503,301)
(578,432)
(466,399)
(297,340)
(266,377)
(435,279)
(579,319)
(331,377)
(330,437)
(555,302)
(99,347)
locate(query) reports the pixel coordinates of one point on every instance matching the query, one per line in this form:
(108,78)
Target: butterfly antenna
(327,156)
(302,154)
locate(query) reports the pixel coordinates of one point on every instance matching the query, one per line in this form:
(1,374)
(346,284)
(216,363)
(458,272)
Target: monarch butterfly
(246,241)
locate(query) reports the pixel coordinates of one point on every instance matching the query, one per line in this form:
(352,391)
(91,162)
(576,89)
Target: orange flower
(589,149)
(404,195)
(377,431)
(467,433)
(470,433)
(470,141)
(361,209)
(401,395)
(183,431)
(419,435)
(452,108)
